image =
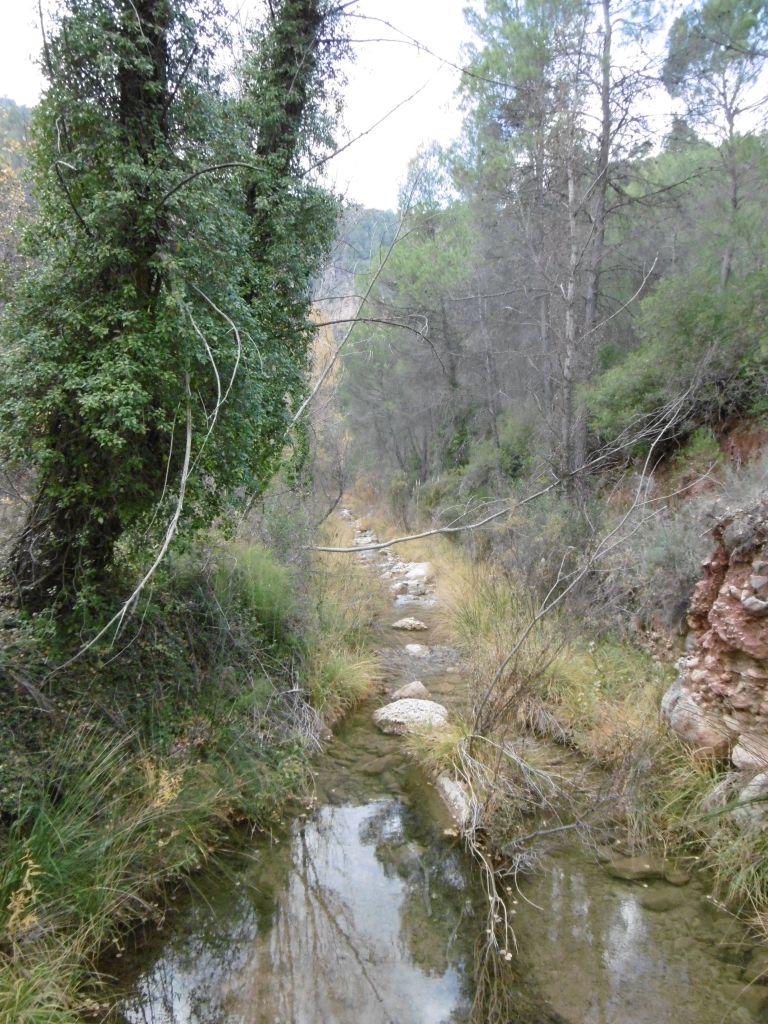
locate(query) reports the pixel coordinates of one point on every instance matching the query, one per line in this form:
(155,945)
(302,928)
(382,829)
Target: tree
(715,58)
(152,355)
(551,128)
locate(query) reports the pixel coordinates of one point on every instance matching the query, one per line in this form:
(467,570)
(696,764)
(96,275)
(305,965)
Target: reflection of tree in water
(185,985)
(434,918)
(443,925)
(213,937)
(367,917)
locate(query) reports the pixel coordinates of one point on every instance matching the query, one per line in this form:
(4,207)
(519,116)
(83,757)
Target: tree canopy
(154,351)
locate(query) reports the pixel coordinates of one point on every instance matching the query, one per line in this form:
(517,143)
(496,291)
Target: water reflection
(604,951)
(363,928)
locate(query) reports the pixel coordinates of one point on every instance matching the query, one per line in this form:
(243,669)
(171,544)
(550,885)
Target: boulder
(635,869)
(416,689)
(756,969)
(456,798)
(416,589)
(410,624)
(417,650)
(645,867)
(670,699)
(421,571)
(410,715)
(698,726)
(754,800)
(751,753)
(659,901)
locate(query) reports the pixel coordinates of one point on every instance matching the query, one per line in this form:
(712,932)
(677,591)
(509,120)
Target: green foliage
(714,54)
(516,443)
(163,328)
(362,234)
(253,585)
(134,781)
(698,339)
(700,453)
(398,496)
(339,680)
(14,126)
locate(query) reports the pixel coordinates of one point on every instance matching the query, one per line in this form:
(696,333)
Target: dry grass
(607,694)
(342,669)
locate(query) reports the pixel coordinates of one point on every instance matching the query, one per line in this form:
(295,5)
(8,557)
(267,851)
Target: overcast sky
(387,71)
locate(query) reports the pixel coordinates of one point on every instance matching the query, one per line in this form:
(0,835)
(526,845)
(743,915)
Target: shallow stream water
(364,911)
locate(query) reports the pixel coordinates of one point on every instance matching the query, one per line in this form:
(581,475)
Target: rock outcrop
(719,703)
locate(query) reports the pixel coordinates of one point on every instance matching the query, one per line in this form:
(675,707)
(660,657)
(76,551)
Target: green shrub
(700,453)
(440,492)
(516,432)
(398,496)
(250,580)
(696,339)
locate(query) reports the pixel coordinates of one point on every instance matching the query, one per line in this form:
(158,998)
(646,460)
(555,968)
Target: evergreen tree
(152,356)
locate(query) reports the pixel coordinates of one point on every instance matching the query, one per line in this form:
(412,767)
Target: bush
(250,581)
(695,338)
(700,453)
(135,778)
(516,432)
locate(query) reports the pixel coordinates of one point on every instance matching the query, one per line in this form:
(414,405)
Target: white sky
(385,74)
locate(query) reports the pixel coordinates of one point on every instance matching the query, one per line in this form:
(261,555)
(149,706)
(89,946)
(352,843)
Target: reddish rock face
(720,700)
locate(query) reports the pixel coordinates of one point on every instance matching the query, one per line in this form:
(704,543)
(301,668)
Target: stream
(365,908)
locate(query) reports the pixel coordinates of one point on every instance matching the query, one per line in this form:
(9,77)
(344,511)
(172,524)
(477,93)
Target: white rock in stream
(420,571)
(456,798)
(410,624)
(410,715)
(415,689)
(416,589)
(417,650)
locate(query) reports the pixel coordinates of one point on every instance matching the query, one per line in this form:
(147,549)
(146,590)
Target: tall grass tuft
(341,669)
(249,578)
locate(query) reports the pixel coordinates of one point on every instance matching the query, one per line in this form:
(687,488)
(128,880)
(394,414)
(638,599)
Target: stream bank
(366,907)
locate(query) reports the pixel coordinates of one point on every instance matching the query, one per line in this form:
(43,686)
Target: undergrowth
(124,773)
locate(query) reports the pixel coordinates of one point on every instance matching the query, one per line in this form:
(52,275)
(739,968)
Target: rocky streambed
(365,907)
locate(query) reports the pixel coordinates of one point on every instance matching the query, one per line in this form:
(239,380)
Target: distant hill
(14,125)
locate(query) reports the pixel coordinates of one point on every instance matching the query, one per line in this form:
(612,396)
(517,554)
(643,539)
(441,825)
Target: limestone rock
(416,689)
(754,798)
(410,624)
(421,571)
(699,727)
(755,606)
(670,699)
(410,715)
(659,901)
(646,867)
(756,969)
(635,869)
(417,650)
(457,799)
(401,587)
(751,753)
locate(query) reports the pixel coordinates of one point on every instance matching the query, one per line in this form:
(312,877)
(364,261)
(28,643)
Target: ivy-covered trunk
(78,514)
(153,356)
